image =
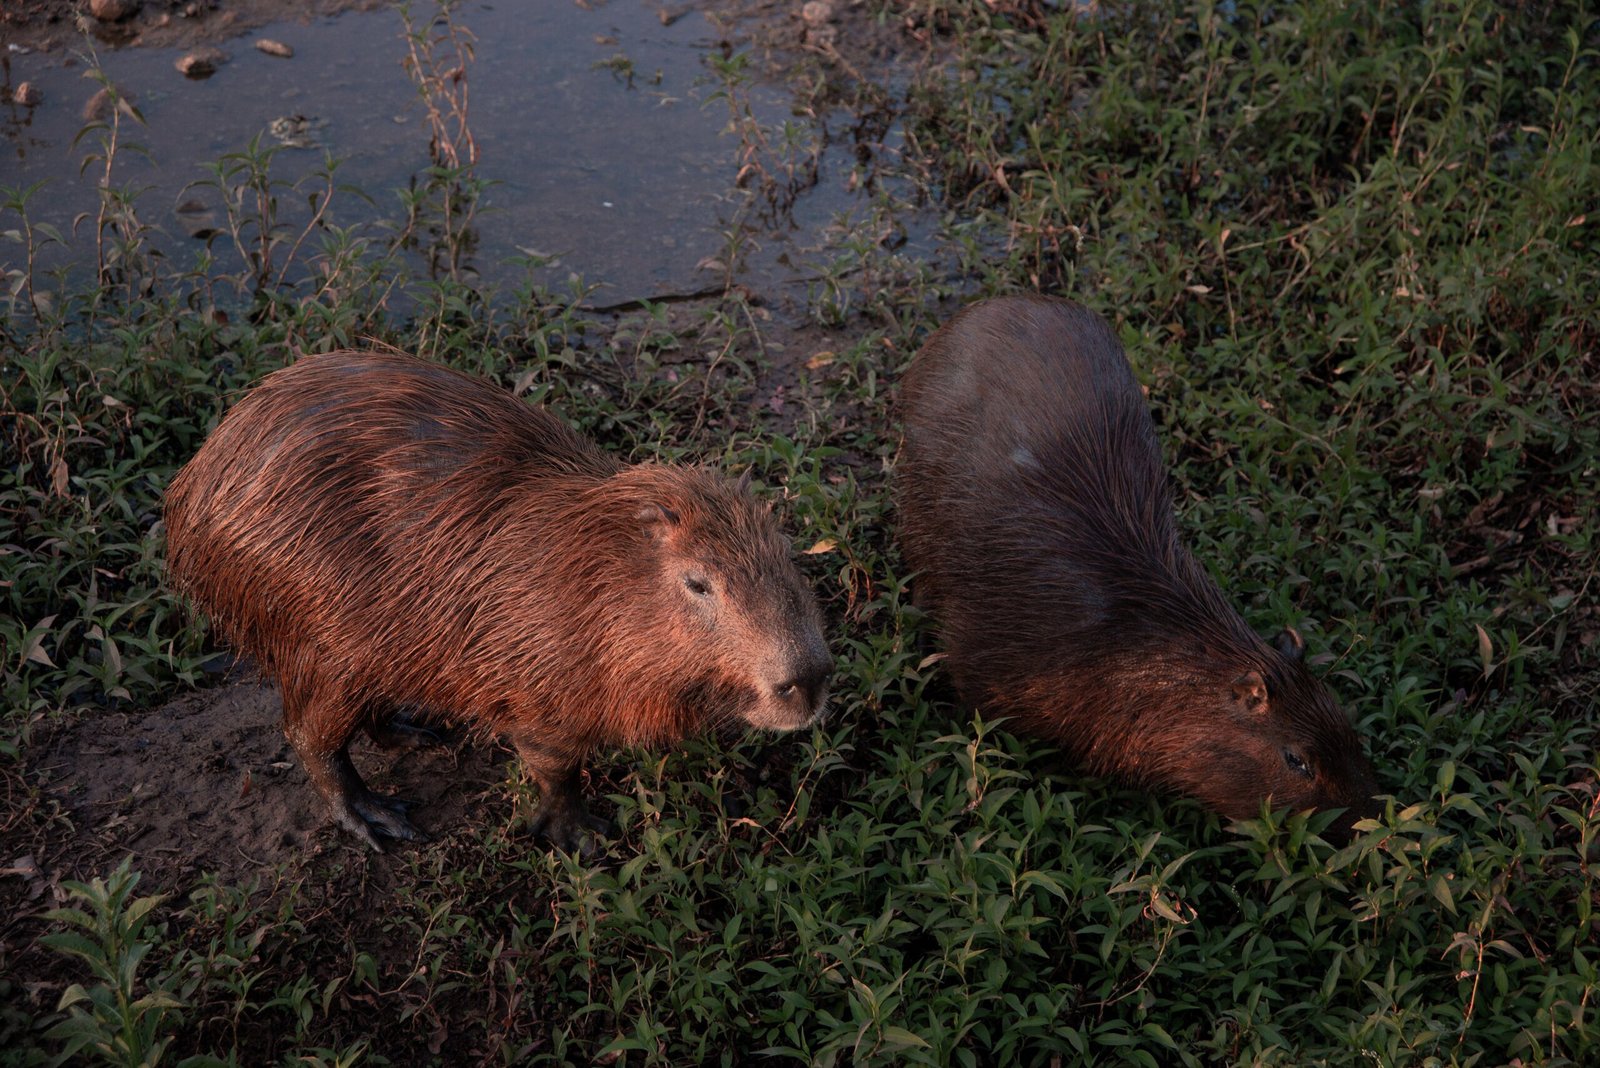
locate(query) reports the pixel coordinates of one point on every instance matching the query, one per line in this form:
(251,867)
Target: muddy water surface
(598,127)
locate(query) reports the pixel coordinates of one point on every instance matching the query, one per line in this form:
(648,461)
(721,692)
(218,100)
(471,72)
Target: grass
(1349,249)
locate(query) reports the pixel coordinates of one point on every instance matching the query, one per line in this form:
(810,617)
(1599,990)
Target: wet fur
(1035,512)
(379,533)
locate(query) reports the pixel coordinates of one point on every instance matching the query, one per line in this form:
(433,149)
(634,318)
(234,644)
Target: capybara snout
(382,533)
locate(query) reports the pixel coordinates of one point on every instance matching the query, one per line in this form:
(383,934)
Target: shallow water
(628,184)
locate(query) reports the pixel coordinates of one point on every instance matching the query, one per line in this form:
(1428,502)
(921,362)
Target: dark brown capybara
(1037,519)
(382,533)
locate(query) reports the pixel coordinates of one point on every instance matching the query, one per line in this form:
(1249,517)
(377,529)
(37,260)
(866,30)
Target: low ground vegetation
(1350,249)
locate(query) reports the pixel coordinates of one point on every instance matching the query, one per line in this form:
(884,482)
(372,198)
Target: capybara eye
(1297,763)
(697,586)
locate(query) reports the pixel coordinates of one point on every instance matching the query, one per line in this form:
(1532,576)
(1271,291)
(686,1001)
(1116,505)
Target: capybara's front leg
(321,738)
(355,807)
(562,817)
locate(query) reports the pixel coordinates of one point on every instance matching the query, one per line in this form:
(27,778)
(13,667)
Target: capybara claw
(572,828)
(599,831)
(350,821)
(386,816)
(396,805)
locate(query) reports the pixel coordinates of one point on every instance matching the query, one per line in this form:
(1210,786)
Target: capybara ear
(1251,691)
(657,514)
(1290,644)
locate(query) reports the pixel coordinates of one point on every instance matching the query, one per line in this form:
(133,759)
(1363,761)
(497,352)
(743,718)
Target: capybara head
(725,583)
(1281,738)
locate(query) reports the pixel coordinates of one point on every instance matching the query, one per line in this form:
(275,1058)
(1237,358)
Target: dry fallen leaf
(33,647)
(24,865)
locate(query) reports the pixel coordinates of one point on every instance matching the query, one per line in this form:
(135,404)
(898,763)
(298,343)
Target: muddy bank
(208,783)
(47,25)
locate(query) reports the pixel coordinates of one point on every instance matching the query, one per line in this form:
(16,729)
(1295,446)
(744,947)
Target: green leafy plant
(1349,250)
(117,1019)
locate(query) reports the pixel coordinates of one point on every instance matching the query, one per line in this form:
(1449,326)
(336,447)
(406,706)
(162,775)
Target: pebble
(112,10)
(201,63)
(27,94)
(816,12)
(275,48)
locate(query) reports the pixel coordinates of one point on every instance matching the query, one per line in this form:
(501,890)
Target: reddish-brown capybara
(1036,517)
(382,533)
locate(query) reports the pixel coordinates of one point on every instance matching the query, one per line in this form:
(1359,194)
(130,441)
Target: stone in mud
(113,10)
(27,95)
(274,48)
(201,63)
(816,13)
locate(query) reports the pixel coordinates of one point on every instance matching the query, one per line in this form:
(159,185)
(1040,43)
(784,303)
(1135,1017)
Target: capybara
(1037,520)
(385,534)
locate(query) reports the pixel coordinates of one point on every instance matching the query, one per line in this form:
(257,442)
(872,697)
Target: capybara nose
(808,686)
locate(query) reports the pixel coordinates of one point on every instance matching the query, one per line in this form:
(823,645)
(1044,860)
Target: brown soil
(46,25)
(208,783)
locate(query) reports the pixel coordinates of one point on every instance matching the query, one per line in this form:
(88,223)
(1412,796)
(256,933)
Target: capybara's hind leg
(561,817)
(321,738)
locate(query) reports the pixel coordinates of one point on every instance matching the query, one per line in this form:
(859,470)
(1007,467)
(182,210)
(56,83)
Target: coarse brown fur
(383,533)
(1035,513)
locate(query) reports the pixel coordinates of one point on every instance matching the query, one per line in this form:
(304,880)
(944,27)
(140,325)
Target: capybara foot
(572,827)
(363,815)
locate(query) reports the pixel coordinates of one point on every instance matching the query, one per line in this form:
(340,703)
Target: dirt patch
(208,783)
(49,24)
